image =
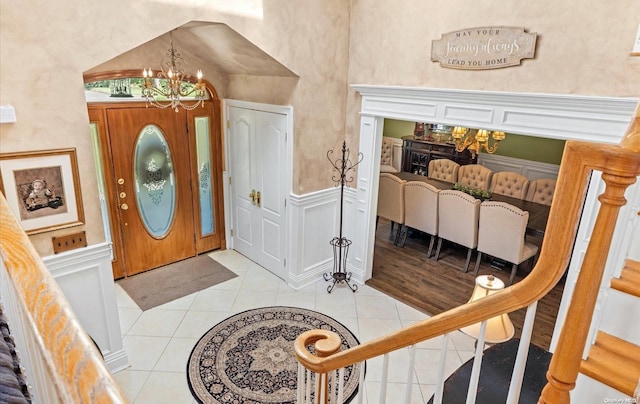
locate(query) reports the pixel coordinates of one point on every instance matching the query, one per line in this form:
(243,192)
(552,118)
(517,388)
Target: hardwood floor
(436,286)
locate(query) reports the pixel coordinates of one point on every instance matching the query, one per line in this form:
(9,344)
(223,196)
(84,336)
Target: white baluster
(477,362)
(301,384)
(308,388)
(361,384)
(340,386)
(385,377)
(409,385)
(437,397)
(523,352)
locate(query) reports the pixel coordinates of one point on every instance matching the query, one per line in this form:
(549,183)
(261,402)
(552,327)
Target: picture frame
(42,189)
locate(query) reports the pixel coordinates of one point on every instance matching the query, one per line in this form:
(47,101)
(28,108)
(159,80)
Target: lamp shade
(499,328)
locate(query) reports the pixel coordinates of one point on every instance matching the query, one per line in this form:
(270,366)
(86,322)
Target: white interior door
(258,189)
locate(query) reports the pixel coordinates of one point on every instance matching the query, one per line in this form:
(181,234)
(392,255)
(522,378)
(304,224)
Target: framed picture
(42,189)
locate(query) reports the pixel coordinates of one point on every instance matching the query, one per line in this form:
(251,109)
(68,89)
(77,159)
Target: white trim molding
(557,116)
(530,169)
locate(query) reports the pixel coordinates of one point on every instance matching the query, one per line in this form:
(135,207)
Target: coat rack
(342,166)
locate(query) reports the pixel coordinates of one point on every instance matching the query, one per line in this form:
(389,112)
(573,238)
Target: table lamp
(499,328)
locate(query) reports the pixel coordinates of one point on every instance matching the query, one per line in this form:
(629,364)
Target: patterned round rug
(249,357)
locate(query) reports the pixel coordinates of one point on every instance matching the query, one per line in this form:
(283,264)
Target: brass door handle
(258,198)
(252,195)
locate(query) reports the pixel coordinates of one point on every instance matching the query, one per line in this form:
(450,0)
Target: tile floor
(158,341)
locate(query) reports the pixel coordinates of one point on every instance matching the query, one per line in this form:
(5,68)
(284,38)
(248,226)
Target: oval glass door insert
(154,181)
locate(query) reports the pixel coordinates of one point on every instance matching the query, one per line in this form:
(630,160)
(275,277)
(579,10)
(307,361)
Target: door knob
(124,206)
(252,195)
(258,198)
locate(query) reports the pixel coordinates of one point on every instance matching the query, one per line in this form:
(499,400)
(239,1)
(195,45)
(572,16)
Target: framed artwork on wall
(42,189)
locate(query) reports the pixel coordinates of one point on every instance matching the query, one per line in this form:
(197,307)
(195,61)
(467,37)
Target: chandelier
(475,141)
(168,86)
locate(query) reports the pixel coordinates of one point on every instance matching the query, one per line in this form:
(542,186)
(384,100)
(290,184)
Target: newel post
(325,344)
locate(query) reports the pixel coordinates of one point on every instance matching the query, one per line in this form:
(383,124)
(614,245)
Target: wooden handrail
(71,360)
(621,165)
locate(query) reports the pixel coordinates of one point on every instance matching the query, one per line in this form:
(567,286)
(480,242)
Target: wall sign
(483,48)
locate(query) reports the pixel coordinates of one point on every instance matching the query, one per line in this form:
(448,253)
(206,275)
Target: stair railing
(61,363)
(620,165)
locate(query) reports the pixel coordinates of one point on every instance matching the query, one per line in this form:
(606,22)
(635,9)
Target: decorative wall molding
(314,217)
(530,169)
(85,276)
(557,116)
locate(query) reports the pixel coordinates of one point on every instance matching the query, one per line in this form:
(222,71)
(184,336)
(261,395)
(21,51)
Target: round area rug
(249,357)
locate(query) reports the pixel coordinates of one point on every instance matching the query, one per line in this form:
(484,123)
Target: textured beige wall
(46,46)
(582,47)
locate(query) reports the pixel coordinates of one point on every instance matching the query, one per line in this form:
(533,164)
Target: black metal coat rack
(342,166)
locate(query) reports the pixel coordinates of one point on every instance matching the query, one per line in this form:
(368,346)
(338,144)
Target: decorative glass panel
(97,156)
(203,151)
(155,181)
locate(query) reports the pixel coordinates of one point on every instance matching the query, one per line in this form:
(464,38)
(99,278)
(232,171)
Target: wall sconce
(466,139)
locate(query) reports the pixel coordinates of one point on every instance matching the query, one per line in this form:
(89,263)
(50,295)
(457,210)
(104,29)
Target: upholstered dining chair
(475,175)
(421,210)
(391,202)
(458,215)
(443,169)
(541,191)
(510,184)
(387,161)
(501,234)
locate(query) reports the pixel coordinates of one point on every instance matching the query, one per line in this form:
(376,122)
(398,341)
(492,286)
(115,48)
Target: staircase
(614,361)
(611,360)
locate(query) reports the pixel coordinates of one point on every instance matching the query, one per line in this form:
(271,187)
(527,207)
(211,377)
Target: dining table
(538,213)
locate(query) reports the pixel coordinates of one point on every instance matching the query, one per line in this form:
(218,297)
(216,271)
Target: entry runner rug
(170,282)
(249,357)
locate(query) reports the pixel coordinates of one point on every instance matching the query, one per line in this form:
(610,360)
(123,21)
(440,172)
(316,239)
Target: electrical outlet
(69,242)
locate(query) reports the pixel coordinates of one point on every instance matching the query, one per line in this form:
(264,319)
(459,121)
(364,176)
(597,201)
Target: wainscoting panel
(86,279)
(314,222)
(530,169)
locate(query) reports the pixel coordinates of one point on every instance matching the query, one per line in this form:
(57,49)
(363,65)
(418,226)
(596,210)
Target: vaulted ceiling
(206,45)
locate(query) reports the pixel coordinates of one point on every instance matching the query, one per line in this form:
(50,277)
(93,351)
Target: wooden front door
(151,166)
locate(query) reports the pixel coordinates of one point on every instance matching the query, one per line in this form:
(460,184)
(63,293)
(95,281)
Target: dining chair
(510,184)
(443,169)
(421,210)
(475,175)
(501,234)
(391,202)
(387,162)
(541,191)
(458,215)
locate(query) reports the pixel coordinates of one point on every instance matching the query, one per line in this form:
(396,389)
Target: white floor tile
(128,317)
(196,323)
(165,388)
(131,382)
(144,352)
(157,322)
(214,300)
(253,299)
(159,341)
(176,355)
(381,307)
